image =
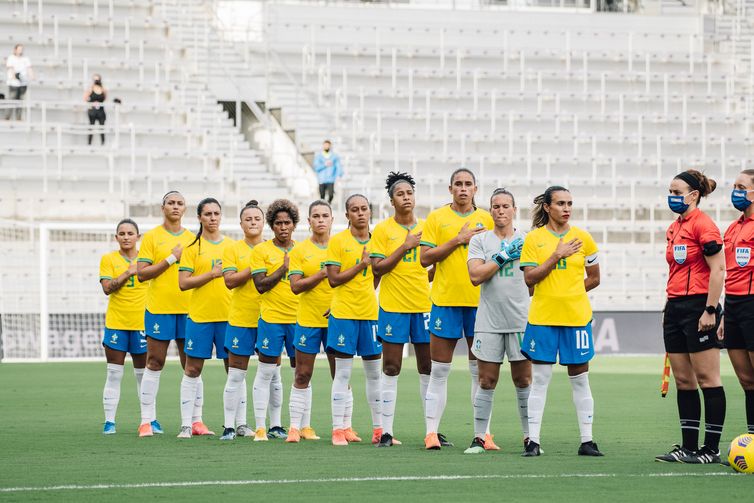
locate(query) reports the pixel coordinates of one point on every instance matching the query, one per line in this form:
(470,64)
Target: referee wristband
(170,259)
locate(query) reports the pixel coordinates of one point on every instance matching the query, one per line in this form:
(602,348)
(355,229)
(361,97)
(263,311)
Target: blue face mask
(738,198)
(677,204)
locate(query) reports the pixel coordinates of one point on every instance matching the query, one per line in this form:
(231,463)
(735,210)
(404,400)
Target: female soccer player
(124,321)
(308,278)
(167,306)
(201,272)
(352,325)
(404,295)
(241,333)
(561,263)
(444,243)
(501,318)
(691,318)
(277,321)
(737,324)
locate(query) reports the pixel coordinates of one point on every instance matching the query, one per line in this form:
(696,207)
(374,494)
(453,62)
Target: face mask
(677,204)
(98,82)
(738,198)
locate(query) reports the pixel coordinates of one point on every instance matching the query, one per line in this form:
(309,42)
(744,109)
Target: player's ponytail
(199,208)
(698,181)
(253,204)
(539,217)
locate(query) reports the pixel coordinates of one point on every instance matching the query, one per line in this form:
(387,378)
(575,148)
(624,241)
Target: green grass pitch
(52,419)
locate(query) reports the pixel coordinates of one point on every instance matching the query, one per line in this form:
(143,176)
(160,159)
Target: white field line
(408,478)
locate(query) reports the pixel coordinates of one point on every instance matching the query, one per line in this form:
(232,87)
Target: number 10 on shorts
(582,339)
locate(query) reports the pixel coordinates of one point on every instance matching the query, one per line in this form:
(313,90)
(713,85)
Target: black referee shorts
(739,322)
(680,324)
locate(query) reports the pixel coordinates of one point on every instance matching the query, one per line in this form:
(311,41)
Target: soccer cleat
(589,449)
(228,434)
(145,430)
(526,442)
(489,444)
(351,436)
(156,428)
(199,428)
(294,436)
(386,440)
(260,435)
(703,456)
(308,433)
(432,442)
(277,432)
(185,432)
(675,455)
(109,428)
(532,449)
(478,446)
(444,441)
(339,438)
(376,435)
(244,431)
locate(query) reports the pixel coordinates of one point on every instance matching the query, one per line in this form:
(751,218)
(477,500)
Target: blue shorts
(566,345)
(165,327)
(129,341)
(271,337)
(353,337)
(309,340)
(240,340)
(200,337)
(401,328)
(452,322)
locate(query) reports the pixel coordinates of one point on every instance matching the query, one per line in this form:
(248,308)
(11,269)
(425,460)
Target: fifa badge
(742,256)
(679,253)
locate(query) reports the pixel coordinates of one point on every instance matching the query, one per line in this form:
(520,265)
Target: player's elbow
(475,279)
(425,261)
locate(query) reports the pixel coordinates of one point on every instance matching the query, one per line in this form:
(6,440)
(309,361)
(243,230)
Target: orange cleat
(199,428)
(339,437)
(376,435)
(431,442)
(489,443)
(145,430)
(294,436)
(351,436)
(308,433)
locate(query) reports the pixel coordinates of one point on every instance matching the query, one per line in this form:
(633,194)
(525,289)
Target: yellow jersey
(560,299)
(278,305)
(356,299)
(452,285)
(307,259)
(125,308)
(163,295)
(405,289)
(244,300)
(211,301)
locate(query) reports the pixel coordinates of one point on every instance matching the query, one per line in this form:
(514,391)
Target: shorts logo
(302,341)
(388,330)
(679,253)
(341,340)
(235,342)
(704,339)
(114,338)
(189,344)
(478,344)
(438,324)
(265,342)
(742,256)
(156,328)
(531,346)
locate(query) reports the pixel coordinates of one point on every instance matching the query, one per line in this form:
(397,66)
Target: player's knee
(391,368)
(193,371)
(685,382)
(303,377)
(521,381)
(487,382)
(155,362)
(747,382)
(708,380)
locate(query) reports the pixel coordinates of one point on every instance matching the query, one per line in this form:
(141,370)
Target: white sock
(541,375)
(582,399)
(189,386)
(522,396)
(423,385)
(437,395)
(474,371)
(233,385)
(389,395)
(482,411)
(243,398)
(150,385)
(276,399)
(111,393)
(196,416)
(340,392)
(307,419)
(348,413)
(297,406)
(261,392)
(372,372)
(139,375)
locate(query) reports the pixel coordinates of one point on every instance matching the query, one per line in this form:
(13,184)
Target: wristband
(170,259)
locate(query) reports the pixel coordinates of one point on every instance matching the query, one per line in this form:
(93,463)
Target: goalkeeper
(493,262)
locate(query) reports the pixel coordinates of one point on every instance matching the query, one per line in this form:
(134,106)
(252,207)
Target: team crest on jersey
(156,328)
(302,340)
(341,340)
(743,255)
(235,342)
(438,324)
(388,330)
(265,342)
(679,253)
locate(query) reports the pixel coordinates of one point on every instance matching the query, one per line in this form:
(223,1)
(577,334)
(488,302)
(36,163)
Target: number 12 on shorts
(582,339)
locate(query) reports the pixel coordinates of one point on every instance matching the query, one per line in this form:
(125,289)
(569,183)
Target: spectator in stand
(19,73)
(328,168)
(96,95)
